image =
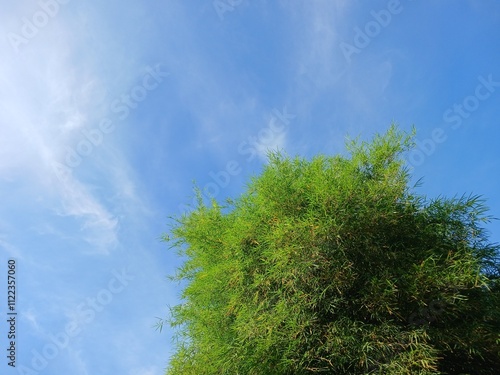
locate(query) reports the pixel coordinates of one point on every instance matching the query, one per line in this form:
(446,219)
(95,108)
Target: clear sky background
(110,109)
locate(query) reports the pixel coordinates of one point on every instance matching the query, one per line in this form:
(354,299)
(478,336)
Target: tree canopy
(336,265)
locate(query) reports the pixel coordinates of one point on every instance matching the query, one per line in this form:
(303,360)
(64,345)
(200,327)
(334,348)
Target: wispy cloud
(31,318)
(46,101)
(318,60)
(99,226)
(9,249)
(79,363)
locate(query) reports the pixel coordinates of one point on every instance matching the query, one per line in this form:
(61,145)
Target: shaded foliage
(335,265)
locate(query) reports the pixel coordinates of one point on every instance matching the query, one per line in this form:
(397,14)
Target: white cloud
(278,143)
(78,364)
(318,59)
(9,249)
(45,101)
(32,318)
(99,226)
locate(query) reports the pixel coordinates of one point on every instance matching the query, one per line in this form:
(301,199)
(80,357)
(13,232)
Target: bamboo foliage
(336,265)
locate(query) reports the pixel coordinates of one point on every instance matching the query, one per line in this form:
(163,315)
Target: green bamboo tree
(335,265)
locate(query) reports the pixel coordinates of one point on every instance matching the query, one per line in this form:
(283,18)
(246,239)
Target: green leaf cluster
(335,265)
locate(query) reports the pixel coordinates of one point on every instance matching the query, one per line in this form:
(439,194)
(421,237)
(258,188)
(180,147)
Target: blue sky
(110,110)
